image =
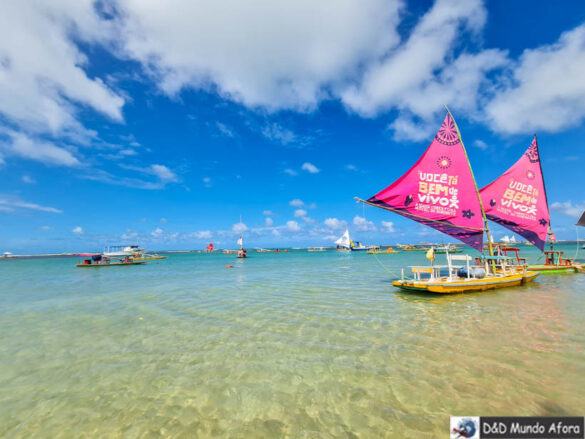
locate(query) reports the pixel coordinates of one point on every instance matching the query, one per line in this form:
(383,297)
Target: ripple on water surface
(298,345)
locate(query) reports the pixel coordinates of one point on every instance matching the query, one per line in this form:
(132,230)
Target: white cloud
(480,144)
(276,55)
(350,167)
(296,203)
(278,133)
(268,213)
(335,224)
(23,146)
(300,213)
(293,226)
(163,173)
(77,230)
(363,225)
(203,234)
(10,204)
(157,232)
(28,180)
(398,79)
(309,167)
(388,226)
(239,227)
(45,228)
(545,90)
(42,79)
(268,222)
(207,182)
(290,172)
(568,208)
(275,232)
(224,129)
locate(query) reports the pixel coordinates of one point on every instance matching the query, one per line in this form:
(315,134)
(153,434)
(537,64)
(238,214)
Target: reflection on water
(298,344)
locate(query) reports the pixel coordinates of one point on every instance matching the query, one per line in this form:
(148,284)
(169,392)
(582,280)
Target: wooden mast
(485,222)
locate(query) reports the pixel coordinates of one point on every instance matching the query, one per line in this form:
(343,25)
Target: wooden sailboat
(242,253)
(439,191)
(517,200)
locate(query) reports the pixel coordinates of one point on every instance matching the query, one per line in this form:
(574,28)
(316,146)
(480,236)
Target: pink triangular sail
(439,190)
(517,200)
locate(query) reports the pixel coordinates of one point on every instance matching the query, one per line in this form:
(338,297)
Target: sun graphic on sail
(444,162)
(447,134)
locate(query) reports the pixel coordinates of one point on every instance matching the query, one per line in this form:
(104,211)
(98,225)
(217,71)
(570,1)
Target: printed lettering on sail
(439,190)
(517,199)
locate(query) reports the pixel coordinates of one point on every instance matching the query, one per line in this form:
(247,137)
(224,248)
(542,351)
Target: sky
(164,123)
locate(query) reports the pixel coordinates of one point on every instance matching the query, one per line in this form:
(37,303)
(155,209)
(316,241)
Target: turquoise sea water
(296,344)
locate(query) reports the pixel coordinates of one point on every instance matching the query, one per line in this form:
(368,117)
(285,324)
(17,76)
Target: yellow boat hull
(443,286)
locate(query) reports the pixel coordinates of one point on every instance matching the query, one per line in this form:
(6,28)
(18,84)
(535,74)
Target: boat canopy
(517,199)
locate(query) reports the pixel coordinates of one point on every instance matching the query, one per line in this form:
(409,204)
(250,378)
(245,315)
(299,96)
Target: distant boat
(344,242)
(147,257)
(317,249)
(209,248)
(377,251)
(448,249)
(439,191)
(122,250)
(241,252)
(97,261)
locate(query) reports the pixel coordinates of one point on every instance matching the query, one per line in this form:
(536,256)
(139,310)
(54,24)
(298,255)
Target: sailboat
(209,248)
(440,192)
(517,200)
(344,242)
(242,253)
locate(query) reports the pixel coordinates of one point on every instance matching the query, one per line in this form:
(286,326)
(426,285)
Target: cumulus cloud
(268,213)
(268,222)
(568,208)
(388,226)
(45,228)
(42,76)
(310,168)
(296,203)
(277,55)
(545,89)
(300,213)
(203,234)
(293,226)
(335,224)
(363,225)
(77,230)
(239,227)
(163,173)
(157,232)
(290,172)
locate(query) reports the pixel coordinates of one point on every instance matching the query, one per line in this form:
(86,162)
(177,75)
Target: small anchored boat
(97,260)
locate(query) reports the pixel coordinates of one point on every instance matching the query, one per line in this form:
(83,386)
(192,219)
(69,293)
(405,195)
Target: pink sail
(439,190)
(517,200)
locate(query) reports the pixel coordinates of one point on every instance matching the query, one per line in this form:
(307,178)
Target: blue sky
(160,123)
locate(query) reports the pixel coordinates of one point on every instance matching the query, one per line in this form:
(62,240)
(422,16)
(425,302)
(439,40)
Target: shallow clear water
(296,345)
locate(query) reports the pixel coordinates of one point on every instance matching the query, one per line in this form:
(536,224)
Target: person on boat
(242,253)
